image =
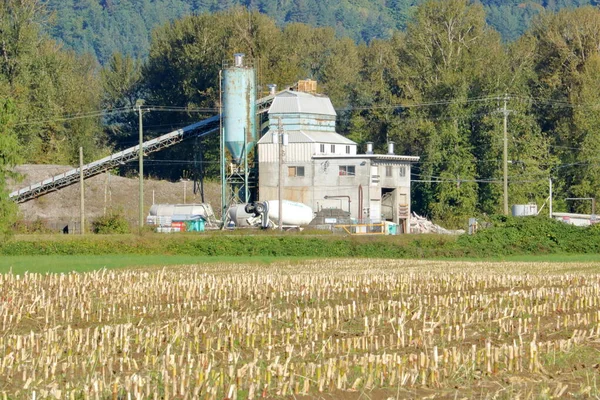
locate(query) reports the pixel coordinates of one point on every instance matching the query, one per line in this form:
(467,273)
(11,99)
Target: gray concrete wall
(322,178)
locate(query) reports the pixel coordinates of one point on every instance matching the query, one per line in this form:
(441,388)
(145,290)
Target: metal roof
(377,157)
(290,102)
(309,137)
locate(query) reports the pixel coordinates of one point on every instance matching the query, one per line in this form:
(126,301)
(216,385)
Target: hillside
(101,27)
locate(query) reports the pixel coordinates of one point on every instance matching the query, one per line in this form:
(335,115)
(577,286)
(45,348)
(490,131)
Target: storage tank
(164,214)
(239,107)
(524,210)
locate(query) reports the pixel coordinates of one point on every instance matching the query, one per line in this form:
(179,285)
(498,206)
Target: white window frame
(347,170)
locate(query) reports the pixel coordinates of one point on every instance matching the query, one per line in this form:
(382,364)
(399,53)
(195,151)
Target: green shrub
(114,222)
(505,236)
(36,226)
(530,235)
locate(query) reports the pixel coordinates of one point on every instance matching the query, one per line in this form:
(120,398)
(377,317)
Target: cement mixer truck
(265,214)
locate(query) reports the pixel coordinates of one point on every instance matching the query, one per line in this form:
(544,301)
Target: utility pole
(141,162)
(82,193)
(280,191)
(505,111)
(550,196)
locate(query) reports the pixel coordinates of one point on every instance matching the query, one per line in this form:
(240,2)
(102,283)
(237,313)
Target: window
(402,172)
(295,171)
(322,149)
(347,170)
(388,170)
(333,149)
(347,149)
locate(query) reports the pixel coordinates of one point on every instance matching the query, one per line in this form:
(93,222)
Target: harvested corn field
(323,329)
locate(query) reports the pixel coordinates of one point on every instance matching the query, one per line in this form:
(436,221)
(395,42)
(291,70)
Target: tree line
(437,90)
(101,27)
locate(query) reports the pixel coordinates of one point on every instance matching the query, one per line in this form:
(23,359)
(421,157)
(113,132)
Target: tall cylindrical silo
(239,107)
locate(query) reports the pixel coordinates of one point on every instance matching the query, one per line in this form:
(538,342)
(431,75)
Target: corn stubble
(235,331)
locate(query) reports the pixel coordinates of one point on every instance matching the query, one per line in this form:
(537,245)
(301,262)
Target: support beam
(82,194)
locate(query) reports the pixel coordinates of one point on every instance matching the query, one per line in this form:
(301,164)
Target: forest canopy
(102,27)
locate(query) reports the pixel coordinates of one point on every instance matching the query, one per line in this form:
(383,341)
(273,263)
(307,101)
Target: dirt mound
(103,193)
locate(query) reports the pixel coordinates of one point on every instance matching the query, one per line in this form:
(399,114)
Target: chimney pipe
(272,88)
(238,59)
(390,147)
(369,148)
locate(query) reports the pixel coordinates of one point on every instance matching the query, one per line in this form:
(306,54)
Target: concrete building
(323,169)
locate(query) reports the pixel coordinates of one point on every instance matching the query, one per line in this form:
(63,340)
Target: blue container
(239,109)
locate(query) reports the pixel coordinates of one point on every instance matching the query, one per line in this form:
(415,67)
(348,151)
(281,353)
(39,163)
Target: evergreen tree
(9,157)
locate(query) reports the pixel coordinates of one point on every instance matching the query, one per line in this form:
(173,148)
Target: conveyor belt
(70,177)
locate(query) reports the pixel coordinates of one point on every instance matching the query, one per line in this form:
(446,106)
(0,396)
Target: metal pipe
(550,197)
(280,196)
(82,193)
(360,203)
(222,151)
(141,162)
(340,197)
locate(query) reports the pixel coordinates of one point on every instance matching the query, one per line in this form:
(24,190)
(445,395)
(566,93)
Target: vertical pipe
(82,192)
(360,204)
(141,162)
(246,189)
(550,196)
(105,192)
(222,150)
(505,157)
(280,141)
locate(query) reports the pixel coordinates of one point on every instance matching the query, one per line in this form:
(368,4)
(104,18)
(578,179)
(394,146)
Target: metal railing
(364,229)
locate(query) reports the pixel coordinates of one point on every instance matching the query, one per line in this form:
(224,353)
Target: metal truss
(70,177)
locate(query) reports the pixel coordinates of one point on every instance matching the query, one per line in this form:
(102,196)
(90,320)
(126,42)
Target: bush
(530,235)
(114,222)
(36,226)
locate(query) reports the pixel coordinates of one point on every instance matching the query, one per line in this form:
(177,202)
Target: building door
(403,212)
(388,208)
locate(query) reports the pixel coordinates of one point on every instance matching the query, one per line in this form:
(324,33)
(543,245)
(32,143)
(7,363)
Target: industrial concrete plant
(278,154)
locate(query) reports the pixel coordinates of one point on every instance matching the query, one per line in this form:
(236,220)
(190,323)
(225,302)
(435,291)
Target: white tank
(163,210)
(294,213)
(524,210)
